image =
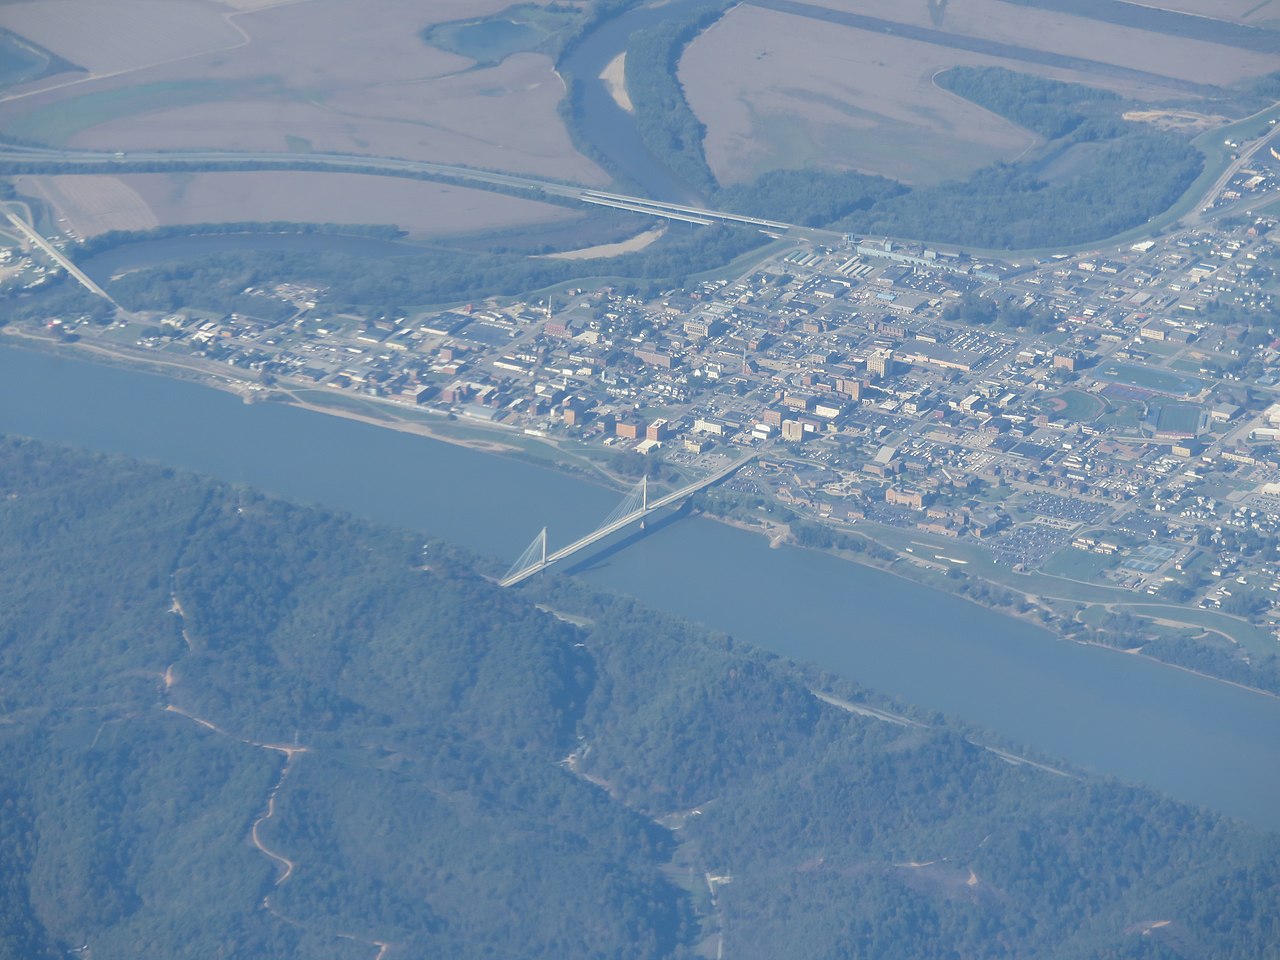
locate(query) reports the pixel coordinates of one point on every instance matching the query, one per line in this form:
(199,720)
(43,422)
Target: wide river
(1193,738)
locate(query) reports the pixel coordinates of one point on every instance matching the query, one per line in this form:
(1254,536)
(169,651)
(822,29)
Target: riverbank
(615,80)
(1040,609)
(246,390)
(502,441)
(1038,614)
(630,245)
(1204,742)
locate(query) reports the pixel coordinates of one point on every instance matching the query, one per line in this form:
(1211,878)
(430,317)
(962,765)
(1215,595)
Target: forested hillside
(236,727)
(1096,175)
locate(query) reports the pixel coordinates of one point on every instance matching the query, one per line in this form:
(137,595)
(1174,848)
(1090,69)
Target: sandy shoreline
(615,81)
(253,393)
(638,242)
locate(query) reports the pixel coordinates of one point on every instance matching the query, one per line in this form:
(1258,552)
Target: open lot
(95,204)
(785,87)
(320,73)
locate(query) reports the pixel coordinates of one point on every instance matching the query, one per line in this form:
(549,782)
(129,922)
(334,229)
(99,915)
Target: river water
(612,130)
(1193,738)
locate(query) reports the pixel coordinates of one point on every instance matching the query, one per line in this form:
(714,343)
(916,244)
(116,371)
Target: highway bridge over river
(22,158)
(635,506)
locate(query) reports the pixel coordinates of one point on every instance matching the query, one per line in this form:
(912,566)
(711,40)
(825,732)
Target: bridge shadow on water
(600,558)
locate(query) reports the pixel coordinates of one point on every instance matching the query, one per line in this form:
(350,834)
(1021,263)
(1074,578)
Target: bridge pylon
(535,555)
(634,506)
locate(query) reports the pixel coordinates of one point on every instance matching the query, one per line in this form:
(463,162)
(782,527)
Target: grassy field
(589,462)
(95,204)
(1168,21)
(1124,414)
(22,61)
(1078,565)
(1152,379)
(1178,417)
(1074,405)
(1252,638)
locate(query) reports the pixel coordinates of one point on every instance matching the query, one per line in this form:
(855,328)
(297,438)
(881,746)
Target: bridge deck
(600,533)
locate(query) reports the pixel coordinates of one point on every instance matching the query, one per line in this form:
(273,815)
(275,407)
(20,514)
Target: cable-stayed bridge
(636,505)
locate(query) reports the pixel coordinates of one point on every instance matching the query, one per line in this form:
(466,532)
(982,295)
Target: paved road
(610,528)
(1232,169)
(105,161)
(78,161)
(57,256)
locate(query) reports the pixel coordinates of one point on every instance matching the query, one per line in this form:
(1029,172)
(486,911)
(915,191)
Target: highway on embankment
(43,160)
(47,160)
(15,158)
(56,255)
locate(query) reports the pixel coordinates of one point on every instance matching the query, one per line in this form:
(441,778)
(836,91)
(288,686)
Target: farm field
(1175,22)
(95,204)
(819,92)
(91,204)
(1257,13)
(1159,54)
(123,34)
(322,72)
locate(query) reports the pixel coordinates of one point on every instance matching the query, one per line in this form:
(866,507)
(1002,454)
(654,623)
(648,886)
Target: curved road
(86,161)
(56,255)
(101,160)
(89,161)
